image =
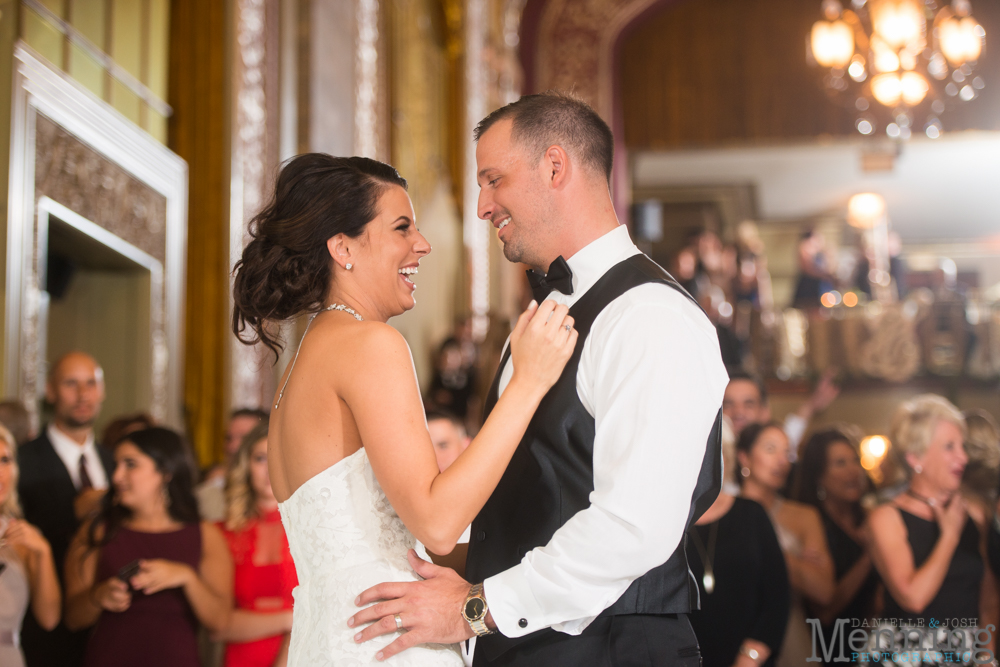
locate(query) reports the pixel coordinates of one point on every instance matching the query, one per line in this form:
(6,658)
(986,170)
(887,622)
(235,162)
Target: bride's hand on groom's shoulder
(541,343)
(429,610)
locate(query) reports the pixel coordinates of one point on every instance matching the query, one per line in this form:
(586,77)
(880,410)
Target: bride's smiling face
(385,260)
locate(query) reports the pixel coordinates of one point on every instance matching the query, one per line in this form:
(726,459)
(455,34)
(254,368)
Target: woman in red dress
(257,632)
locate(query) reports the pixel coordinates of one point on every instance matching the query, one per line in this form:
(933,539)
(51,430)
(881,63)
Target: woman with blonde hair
(982,445)
(929,555)
(27,571)
(264,574)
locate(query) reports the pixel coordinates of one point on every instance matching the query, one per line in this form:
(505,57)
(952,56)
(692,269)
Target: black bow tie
(559,277)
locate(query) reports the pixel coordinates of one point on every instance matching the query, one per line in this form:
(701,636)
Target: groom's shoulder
(657,296)
(656,305)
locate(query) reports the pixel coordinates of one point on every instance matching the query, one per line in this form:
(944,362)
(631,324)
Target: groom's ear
(557,166)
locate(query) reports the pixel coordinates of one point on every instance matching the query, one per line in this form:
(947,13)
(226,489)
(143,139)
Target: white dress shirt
(69,450)
(652,376)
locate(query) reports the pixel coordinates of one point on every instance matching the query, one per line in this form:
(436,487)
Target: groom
(578,556)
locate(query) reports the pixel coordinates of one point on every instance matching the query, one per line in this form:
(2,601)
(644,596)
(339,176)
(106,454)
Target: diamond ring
(399,622)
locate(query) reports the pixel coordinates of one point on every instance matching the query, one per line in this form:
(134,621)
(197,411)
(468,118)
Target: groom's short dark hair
(555,118)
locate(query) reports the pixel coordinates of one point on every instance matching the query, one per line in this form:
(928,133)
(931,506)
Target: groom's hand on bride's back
(430,610)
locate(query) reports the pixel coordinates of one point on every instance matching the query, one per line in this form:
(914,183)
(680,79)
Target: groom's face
(513,196)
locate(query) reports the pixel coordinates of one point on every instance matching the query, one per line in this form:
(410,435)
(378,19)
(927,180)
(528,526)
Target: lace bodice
(345,537)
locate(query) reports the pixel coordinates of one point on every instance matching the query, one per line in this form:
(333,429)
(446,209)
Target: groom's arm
(653,378)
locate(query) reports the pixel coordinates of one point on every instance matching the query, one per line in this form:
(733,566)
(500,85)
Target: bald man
(64,475)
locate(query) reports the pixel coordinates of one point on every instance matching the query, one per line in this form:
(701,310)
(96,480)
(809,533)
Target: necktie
(85,482)
(559,277)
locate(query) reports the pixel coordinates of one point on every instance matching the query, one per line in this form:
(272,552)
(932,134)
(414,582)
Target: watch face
(475,608)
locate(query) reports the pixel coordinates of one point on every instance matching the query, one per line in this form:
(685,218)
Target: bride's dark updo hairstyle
(286,268)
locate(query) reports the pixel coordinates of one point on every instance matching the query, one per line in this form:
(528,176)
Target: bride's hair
(286,268)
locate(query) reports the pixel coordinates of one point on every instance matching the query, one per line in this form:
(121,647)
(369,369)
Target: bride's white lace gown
(345,537)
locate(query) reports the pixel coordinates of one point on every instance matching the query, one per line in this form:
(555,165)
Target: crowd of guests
(111,548)
(118,552)
(810,537)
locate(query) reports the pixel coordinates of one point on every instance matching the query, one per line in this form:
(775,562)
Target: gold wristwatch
(475,609)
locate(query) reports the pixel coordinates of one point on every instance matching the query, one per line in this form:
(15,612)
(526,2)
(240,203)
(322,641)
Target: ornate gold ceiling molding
(576,41)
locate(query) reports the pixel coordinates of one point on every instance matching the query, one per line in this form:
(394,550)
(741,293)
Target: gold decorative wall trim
(78,39)
(367,80)
(576,44)
(251,375)
(475,231)
(78,177)
(123,156)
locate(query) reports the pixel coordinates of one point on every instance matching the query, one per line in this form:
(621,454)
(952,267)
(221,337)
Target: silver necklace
(341,307)
(333,306)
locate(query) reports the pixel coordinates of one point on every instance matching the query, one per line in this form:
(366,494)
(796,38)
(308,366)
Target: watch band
(478,625)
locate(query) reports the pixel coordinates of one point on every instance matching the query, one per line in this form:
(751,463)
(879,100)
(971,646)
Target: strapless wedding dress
(345,537)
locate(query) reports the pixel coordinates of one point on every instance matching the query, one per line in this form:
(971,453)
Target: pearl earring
(349,267)
(745,471)
(821,493)
(918,469)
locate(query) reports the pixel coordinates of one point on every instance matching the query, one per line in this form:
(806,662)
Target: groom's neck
(585,217)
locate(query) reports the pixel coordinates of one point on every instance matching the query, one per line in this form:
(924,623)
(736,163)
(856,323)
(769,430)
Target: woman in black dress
(833,481)
(743,585)
(927,543)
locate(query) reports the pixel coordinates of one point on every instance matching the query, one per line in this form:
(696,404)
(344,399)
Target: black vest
(551,476)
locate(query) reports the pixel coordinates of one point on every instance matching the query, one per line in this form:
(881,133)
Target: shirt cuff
(515,609)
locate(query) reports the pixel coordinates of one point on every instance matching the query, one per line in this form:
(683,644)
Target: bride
(350,458)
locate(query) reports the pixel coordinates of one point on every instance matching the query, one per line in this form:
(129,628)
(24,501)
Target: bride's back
(312,428)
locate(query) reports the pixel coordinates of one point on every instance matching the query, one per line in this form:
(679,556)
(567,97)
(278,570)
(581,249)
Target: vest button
(523,623)
(481,536)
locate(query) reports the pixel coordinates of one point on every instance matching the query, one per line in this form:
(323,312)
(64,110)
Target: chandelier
(899,63)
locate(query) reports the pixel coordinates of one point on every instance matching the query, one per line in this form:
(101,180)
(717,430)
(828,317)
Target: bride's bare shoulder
(364,342)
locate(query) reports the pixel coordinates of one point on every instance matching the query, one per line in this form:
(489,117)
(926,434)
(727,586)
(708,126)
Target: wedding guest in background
(119,427)
(146,571)
(743,586)
(833,481)
(15,417)
(993,542)
(746,403)
(448,435)
(982,446)
(28,572)
(64,475)
(454,383)
(762,452)
(211,492)
(927,544)
(815,271)
(264,574)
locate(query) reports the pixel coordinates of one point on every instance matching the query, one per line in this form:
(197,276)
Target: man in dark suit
(64,475)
